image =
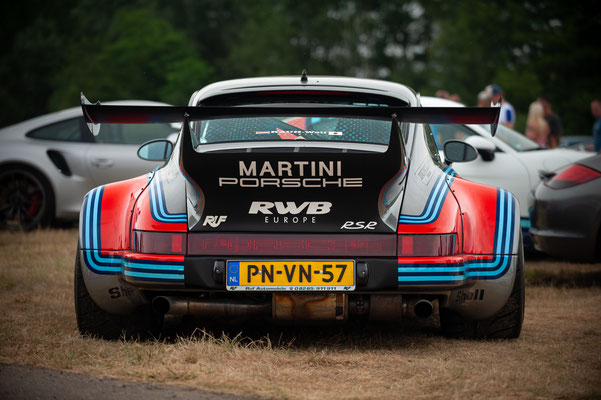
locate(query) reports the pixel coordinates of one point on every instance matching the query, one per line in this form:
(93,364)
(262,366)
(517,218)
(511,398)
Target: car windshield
(310,129)
(514,139)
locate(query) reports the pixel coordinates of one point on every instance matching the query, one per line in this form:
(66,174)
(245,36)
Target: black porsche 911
(566,219)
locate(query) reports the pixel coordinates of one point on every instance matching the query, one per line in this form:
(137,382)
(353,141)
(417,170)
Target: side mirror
(156,150)
(459,151)
(485,147)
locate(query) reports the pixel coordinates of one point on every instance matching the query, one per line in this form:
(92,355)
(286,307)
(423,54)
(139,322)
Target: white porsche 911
(48,163)
(509,160)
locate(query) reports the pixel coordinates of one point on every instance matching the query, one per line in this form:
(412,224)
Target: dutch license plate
(280,275)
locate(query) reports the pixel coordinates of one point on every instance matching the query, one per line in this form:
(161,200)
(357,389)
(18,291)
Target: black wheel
(26,199)
(505,324)
(94,321)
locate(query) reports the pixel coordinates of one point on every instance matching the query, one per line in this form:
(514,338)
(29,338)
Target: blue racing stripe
(435,201)
(94,260)
(158,205)
(160,277)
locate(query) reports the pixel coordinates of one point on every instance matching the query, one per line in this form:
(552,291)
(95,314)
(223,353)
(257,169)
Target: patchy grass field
(557,355)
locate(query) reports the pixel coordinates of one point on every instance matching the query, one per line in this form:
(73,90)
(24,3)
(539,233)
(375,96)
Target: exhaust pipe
(391,307)
(423,308)
(227,308)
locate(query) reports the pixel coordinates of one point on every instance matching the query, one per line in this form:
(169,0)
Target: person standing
(596,111)
(484,99)
(507,116)
(537,128)
(553,121)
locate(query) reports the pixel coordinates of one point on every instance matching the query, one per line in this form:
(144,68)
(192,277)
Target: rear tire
(505,324)
(94,321)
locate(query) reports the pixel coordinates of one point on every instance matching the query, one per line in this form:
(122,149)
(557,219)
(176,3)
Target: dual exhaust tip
(299,307)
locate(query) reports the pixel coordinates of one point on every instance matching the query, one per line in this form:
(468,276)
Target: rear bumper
(563,244)
(476,286)
(383,274)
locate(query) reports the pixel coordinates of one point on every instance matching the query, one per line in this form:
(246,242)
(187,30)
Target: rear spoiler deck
(96,114)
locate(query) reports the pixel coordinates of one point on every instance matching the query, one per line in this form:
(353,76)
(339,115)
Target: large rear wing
(96,114)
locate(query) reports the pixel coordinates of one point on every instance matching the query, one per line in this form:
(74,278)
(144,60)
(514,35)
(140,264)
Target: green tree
(139,56)
(528,48)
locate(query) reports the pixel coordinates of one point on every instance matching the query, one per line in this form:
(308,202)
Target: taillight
(292,245)
(571,176)
(160,242)
(426,245)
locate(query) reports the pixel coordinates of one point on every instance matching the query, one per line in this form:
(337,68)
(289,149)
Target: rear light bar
(573,175)
(334,245)
(426,245)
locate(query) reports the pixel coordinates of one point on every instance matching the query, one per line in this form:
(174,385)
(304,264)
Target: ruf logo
(214,220)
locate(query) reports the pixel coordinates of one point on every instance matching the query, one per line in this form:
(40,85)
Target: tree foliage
(165,49)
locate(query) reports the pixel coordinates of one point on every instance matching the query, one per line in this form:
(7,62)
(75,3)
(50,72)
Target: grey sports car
(48,163)
(566,219)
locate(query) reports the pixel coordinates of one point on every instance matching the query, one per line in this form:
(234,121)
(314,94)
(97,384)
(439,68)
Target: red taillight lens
(571,176)
(292,245)
(160,242)
(426,245)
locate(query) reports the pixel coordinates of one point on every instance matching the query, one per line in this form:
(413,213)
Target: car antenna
(304,78)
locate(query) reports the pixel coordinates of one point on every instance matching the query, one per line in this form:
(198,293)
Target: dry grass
(556,357)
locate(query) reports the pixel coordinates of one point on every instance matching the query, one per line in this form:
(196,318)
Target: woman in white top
(537,128)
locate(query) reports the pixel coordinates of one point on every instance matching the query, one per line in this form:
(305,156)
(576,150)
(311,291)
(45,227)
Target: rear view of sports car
(566,219)
(306,199)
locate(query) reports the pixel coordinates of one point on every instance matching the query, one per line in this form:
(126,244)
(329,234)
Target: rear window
(310,129)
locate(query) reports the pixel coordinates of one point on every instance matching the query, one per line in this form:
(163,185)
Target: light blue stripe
(437,189)
(468,274)
(89,259)
(508,225)
(440,191)
(95,220)
(161,214)
(86,241)
(431,278)
(501,221)
(129,264)
(151,275)
(432,269)
(163,211)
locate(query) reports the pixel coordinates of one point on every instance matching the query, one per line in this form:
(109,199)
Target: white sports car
(509,160)
(48,163)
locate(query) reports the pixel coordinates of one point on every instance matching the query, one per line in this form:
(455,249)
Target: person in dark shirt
(553,121)
(596,111)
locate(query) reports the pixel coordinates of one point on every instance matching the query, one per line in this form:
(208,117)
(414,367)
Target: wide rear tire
(95,322)
(505,324)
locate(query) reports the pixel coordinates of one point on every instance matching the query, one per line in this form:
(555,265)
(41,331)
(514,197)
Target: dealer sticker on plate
(280,275)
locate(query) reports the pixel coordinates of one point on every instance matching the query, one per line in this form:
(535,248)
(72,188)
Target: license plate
(284,275)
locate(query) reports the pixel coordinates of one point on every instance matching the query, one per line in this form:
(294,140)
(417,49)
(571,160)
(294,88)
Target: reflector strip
(292,245)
